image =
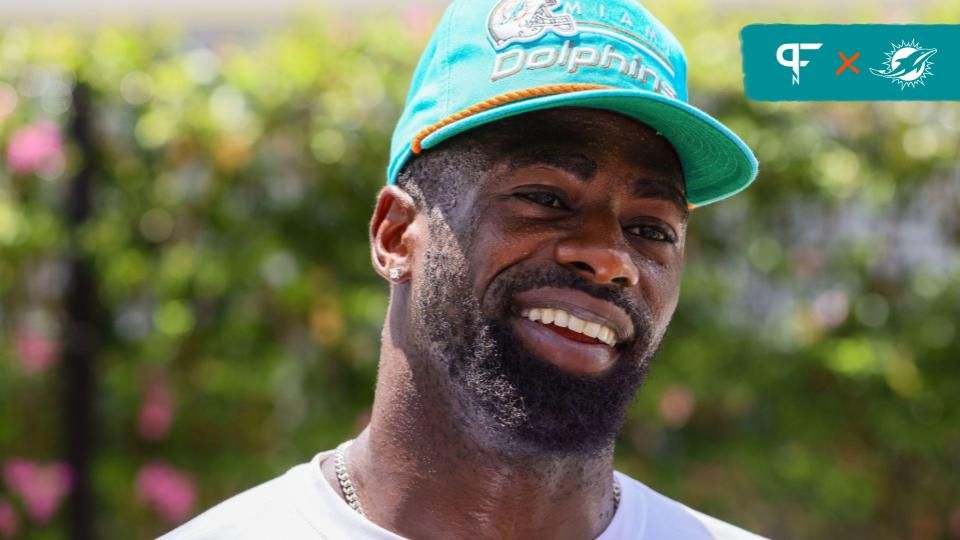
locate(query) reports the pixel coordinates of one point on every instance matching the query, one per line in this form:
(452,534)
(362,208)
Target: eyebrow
(576,164)
(584,168)
(658,189)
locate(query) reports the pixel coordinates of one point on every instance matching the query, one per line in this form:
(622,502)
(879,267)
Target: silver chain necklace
(340,467)
(350,493)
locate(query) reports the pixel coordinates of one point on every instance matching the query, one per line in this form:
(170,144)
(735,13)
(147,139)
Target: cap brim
(716,163)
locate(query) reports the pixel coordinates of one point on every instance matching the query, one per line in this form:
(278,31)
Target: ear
(392,235)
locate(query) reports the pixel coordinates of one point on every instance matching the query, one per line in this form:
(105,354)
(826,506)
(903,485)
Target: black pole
(82,334)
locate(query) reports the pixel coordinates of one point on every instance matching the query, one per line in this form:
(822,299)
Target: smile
(575,331)
(562,319)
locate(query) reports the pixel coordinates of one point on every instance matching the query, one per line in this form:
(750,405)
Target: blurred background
(187,306)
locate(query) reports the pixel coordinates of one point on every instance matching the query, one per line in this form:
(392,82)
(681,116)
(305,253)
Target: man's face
(545,290)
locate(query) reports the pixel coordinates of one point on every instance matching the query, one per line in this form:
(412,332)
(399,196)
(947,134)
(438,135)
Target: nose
(597,252)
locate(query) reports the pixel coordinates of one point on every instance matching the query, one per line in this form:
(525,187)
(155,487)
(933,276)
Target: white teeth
(592,329)
(561,318)
(575,324)
(605,335)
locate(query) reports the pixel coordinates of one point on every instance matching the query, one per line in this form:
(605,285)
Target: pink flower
(37,147)
(677,405)
(9,522)
(41,487)
(156,412)
(172,494)
(419,19)
(37,353)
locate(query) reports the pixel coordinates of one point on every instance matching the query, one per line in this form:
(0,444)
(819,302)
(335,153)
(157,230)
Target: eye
(651,232)
(544,198)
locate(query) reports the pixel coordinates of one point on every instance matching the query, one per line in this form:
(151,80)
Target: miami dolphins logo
(521,21)
(908,64)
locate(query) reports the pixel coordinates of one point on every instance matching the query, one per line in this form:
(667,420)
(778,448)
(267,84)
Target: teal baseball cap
(491,59)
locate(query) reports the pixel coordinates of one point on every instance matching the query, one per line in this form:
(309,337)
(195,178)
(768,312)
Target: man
(532,233)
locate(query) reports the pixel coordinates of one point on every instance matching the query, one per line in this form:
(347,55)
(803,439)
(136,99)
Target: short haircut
(436,178)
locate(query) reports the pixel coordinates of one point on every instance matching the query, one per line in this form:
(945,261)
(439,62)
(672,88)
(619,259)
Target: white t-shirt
(302,505)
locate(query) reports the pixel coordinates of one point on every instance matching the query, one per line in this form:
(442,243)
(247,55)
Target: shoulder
(268,510)
(667,518)
(234,517)
(300,505)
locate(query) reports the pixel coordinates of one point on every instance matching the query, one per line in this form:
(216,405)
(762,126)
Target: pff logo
(794,62)
(523,21)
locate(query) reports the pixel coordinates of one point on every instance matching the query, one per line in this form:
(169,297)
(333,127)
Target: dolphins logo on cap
(521,21)
(907,64)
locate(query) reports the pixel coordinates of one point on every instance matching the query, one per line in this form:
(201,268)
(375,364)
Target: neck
(421,472)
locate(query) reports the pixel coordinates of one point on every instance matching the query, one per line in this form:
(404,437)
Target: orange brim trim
(496,101)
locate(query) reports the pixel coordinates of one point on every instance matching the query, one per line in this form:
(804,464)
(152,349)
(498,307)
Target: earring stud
(394,274)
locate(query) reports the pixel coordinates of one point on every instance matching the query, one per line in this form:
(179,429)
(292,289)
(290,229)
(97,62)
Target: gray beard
(516,401)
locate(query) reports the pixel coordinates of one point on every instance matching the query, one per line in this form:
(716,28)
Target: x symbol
(848,63)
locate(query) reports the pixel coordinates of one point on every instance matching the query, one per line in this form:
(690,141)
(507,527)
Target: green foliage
(803,391)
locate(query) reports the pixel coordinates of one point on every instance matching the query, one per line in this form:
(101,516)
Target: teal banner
(859,62)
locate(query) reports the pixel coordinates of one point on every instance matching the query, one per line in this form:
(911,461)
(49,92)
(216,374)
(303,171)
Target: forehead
(601,136)
(580,141)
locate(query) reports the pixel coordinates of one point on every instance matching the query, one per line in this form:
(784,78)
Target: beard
(517,401)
